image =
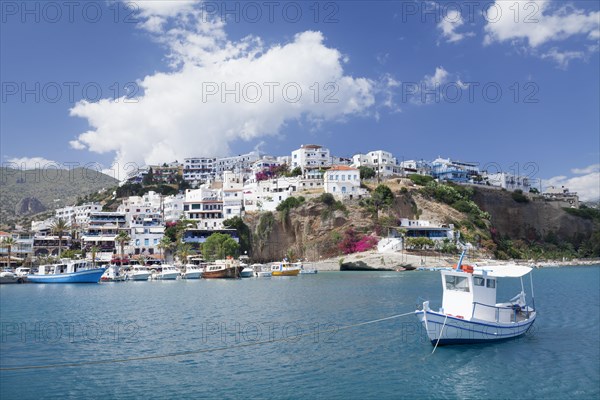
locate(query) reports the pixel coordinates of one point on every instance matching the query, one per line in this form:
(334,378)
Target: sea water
(284,337)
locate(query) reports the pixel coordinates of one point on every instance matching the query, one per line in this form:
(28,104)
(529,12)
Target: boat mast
(458,266)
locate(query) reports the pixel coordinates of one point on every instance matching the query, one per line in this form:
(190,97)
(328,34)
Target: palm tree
(94,250)
(184,251)
(122,238)
(8,243)
(59,227)
(164,244)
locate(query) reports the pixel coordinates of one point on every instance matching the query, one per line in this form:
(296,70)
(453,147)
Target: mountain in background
(24,193)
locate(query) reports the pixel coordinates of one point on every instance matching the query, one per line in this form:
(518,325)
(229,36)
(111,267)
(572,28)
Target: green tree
(382,197)
(8,244)
(59,227)
(165,245)
(366,172)
(296,172)
(148,178)
(122,238)
(219,246)
(419,242)
(183,251)
(243,231)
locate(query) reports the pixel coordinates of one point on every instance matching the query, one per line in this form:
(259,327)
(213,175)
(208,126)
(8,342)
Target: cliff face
(532,220)
(313,231)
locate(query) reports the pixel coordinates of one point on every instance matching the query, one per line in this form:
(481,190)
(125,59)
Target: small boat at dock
(138,273)
(192,271)
(113,274)
(67,272)
(223,269)
(166,273)
(286,268)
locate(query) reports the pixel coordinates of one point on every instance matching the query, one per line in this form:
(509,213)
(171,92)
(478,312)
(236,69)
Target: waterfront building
(20,250)
(205,207)
(102,230)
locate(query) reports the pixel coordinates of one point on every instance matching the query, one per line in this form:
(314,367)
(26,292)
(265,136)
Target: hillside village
(161,207)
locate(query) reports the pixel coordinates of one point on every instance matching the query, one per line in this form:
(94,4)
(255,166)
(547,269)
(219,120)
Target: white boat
(10,277)
(470,313)
(192,271)
(247,271)
(22,272)
(261,271)
(113,274)
(285,268)
(305,271)
(138,273)
(167,273)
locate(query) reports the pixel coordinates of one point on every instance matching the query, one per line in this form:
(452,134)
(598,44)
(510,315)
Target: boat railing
(500,313)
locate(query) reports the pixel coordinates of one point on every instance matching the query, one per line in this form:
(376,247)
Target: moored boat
(67,272)
(113,274)
(166,273)
(285,268)
(469,312)
(247,271)
(192,271)
(10,277)
(138,273)
(228,268)
(261,271)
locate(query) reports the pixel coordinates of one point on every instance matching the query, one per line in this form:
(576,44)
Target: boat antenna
(458,266)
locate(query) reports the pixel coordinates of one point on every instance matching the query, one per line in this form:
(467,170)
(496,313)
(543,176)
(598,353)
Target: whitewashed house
(310,156)
(343,182)
(382,162)
(205,207)
(511,182)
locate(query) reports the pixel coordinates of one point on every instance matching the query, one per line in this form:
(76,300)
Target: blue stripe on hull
(90,276)
(446,342)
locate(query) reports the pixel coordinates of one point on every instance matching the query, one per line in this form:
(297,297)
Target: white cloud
(438,78)
(27,163)
(586,185)
(450,23)
(177,117)
(563,58)
(587,170)
(532,20)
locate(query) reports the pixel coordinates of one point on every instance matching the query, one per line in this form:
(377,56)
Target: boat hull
(226,273)
(192,275)
(293,272)
(459,331)
(88,276)
(247,273)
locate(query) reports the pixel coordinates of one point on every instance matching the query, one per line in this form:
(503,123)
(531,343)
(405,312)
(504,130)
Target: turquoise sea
(279,338)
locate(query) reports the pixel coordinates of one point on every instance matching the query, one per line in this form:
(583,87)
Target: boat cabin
(62,268)
(470,293)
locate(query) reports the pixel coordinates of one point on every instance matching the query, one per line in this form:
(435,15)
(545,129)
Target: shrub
(289,203)
(366,172)
(420,180)
(519,197)
(327,199)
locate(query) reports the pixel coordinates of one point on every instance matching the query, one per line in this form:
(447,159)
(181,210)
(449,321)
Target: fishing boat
(113,274)
(470,313)
(247,271)
(285,268)
(67,272)
(192,271)
(228,268)
(166,273)
(138,273)
(261,271)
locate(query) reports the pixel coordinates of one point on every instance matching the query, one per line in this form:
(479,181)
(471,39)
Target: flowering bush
(354,242)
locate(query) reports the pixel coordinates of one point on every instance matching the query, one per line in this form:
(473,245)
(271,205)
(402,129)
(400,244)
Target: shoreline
(393,260)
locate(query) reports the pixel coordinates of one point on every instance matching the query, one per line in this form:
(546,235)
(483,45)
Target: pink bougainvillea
(354,242)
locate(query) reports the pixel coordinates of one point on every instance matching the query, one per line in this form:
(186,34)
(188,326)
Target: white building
(198,170)
(343,182)
(77,215)
(205,207)
(310,156)
(419,167)
(510,182)
(143,216)
(173,207)
(239,164)
(446,169)
(382,162)
(563,195)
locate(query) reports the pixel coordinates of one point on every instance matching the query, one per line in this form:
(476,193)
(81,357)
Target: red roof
(342,168)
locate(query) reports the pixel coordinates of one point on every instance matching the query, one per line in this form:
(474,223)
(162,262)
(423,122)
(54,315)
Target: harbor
(288,327)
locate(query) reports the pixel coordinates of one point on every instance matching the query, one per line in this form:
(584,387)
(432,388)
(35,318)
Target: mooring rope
(441,333)
(197,351)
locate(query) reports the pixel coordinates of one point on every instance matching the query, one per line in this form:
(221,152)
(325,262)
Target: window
(458,283)
(491,283)
(146,242)
(478,281)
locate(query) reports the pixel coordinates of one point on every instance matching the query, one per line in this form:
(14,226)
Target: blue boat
(67,272)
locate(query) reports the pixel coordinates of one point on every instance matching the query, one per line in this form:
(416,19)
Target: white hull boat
(247,272)
(9,277)
(138,274)
(192,272)
(167,273)
(470,313)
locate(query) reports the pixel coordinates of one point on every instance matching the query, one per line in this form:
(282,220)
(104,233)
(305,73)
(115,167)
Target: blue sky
(542,55)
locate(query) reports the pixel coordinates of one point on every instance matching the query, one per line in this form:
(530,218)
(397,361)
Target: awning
(503,271)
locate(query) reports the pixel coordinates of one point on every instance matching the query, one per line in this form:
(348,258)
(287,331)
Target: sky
(512,85)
